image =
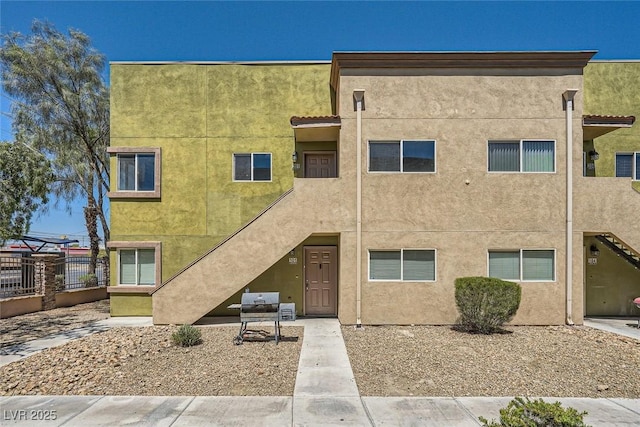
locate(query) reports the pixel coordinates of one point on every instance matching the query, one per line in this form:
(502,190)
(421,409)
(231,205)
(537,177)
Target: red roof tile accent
(594,119)
(312,120)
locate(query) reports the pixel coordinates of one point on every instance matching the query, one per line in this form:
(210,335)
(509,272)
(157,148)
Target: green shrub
(534,413)
(485,303)
(187,336)
(90,280)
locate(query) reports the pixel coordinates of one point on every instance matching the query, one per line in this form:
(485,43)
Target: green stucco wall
(611,284)
(199,115)
(613,88)
(283,277)
(130,305)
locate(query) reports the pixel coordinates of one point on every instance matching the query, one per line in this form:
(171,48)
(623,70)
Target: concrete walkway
(20,351)
(325,394)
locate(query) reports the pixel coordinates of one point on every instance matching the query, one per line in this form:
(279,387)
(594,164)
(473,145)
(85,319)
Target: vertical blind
(637,175)
(624,165)
(126,172)
(538,156)
(504,156)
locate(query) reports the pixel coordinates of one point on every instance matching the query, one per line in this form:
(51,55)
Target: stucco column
(358,96)
(568,101)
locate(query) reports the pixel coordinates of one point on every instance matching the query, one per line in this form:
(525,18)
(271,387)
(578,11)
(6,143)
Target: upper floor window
(402,265)
(522,156)
(137,172)
(628,165)
(523,265)
(252,167)
(402,156)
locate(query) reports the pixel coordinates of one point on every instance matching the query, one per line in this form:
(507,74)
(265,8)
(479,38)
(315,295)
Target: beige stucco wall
(441,211)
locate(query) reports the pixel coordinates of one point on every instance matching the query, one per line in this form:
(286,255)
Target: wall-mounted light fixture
(593,155)
(294,157)
(594,250)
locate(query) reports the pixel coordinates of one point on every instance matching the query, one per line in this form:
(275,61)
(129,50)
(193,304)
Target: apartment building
(362,188)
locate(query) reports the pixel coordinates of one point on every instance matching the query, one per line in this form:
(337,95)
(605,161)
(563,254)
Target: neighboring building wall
(606,204)
(461,111)
(199,115)
(613,88)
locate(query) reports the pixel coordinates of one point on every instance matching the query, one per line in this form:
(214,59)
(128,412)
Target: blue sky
(251,31)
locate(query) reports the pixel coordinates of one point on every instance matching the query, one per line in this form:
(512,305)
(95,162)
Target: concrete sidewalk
(325,394)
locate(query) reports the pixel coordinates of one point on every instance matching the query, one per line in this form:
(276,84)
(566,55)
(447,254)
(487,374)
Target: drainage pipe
(568,98)
(358,97)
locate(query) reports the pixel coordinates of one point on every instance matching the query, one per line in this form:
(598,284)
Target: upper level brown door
(320,164)
(321,280)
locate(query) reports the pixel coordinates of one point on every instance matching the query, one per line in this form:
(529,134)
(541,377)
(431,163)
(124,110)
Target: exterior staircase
(312,206)
(620,248)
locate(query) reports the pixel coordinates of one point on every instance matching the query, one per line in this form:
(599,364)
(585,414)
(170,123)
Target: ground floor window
(137,267)
(137,263)
(402,265)
(523,265)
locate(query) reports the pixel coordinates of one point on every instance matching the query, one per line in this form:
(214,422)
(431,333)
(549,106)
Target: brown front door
(320,165)
(321,280)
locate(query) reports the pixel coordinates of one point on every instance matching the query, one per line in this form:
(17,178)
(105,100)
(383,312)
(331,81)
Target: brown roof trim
(315,121)
(551,59)
(596,120)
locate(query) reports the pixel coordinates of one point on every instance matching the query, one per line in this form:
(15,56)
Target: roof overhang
(317,128)
(458,60)
(594,126)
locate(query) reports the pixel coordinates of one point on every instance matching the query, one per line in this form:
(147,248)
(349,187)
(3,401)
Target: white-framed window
(525,155)
(402,265)
(137,172)
(405,156)
(523,265)
(252,167)
(628,165)
(137,263)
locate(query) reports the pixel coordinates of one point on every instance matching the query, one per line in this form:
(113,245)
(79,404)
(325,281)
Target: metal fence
(74,272)
(18,274)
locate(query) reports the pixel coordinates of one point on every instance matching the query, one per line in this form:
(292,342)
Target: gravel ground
(20,329)
(143,361)
(558,361)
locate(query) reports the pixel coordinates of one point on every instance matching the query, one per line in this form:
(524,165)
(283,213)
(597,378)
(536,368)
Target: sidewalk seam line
(85,410)
(182,412)
(467,410)
(622,406)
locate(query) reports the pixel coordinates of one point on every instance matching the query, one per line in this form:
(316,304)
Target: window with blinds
(628,165)
(137,267)
(521,156)
(413,265)
(523,265)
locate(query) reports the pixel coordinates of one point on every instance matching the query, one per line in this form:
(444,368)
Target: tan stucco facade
(461,210)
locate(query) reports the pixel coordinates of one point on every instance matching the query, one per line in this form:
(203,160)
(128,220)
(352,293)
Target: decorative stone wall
(45,279)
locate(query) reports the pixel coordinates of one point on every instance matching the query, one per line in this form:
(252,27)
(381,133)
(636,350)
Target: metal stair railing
(620,248)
